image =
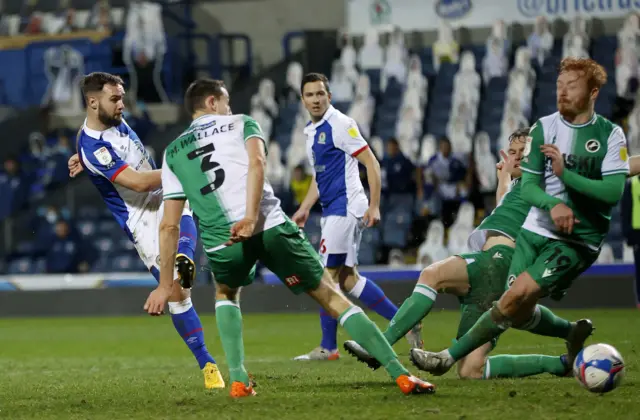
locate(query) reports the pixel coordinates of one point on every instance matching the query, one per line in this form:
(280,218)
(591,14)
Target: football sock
(329,327)
(229,321)
(544,322)
(483,331)
(188,236)
(520,366)
(187,322)
(367,334)
(372,295)
(416,307)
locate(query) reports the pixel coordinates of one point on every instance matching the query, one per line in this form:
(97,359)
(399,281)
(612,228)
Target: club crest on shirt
(322,138)
(592,146)
(103,156)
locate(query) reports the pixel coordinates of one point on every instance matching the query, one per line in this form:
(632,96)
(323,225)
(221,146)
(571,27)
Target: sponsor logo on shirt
(592,146)
(353,132)
(103,156)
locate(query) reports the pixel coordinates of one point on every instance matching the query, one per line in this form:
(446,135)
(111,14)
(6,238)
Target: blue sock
(187,323)
(188,236)
(329,331)
(371,295)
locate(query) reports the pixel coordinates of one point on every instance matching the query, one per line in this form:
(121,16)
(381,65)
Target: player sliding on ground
(574,170)
(334,148)
(129,183)
(218,164)
(478,279)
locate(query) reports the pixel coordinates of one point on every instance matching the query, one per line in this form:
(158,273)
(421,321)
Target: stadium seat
(396,227)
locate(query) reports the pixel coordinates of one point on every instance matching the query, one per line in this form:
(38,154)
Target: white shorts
(146,236)
(340,241)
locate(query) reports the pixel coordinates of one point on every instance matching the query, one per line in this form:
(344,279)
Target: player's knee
(431,276)
(521,291)
(347,278)
(224,292)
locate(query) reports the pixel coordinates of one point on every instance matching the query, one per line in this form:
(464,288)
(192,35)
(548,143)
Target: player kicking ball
(129,183)
(574,170)
(218,164)
(334,149)
(478,279)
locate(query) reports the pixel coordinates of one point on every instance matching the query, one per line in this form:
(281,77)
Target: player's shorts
(487,271)
(341,236)
(146,238)
(552,263)
(283,249)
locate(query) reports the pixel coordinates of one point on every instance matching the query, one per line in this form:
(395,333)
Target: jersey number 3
(207,165)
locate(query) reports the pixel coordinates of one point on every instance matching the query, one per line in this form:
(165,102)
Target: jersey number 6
(207,165)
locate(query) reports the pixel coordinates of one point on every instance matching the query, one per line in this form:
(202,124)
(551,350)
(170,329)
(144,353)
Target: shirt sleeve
(171,186)
(533,160)
(100,159)
(616,161)
(253,129)
(347,138)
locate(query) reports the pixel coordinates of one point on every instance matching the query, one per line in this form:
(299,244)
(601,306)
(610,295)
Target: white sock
(176,308)
(358,287)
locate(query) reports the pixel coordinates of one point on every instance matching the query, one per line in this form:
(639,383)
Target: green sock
(229,320)
(367,334)
(483,331)
(508,366)
(416,307)
(544,322)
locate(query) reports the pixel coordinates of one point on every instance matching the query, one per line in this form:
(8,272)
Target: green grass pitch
(137,368)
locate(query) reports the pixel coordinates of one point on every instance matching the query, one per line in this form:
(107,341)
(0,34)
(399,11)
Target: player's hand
(157,300)
(563,218)
(300,217)
(241,231)
(507,164)
(557,161)
(371,216)
(74,166)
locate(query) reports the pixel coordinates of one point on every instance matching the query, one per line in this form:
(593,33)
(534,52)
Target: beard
(108,120)
(570,110)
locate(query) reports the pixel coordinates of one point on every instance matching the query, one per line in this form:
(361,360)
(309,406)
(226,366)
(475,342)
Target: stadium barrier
(602,286)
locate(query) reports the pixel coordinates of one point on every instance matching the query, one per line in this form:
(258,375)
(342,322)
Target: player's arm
(532,166)
(255,176)
(348,139)
(139,181)
(615,168)
(312,196)
(169,232)
(101,159)
(634,165)
(369,161)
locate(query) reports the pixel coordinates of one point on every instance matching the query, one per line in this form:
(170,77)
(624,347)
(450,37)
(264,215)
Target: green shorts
(552,263)
(283,249)
(487,271)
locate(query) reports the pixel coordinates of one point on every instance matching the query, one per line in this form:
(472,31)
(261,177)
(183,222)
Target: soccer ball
(599,368)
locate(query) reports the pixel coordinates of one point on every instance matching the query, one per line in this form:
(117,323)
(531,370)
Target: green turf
(117,368)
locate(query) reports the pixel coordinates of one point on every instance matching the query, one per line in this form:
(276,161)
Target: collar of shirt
(312,127)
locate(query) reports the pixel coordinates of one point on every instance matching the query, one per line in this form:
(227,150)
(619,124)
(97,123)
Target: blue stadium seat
(367,254)
(19,266)
(125,263)
(104,245)
(87,228)
(396,228)
(88,213)
(398,203)
(341,106)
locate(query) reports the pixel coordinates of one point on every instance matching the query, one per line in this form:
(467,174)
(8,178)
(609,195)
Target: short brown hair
(94,82)
(520,132)
(200,90)
(314,77)
(596,74)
